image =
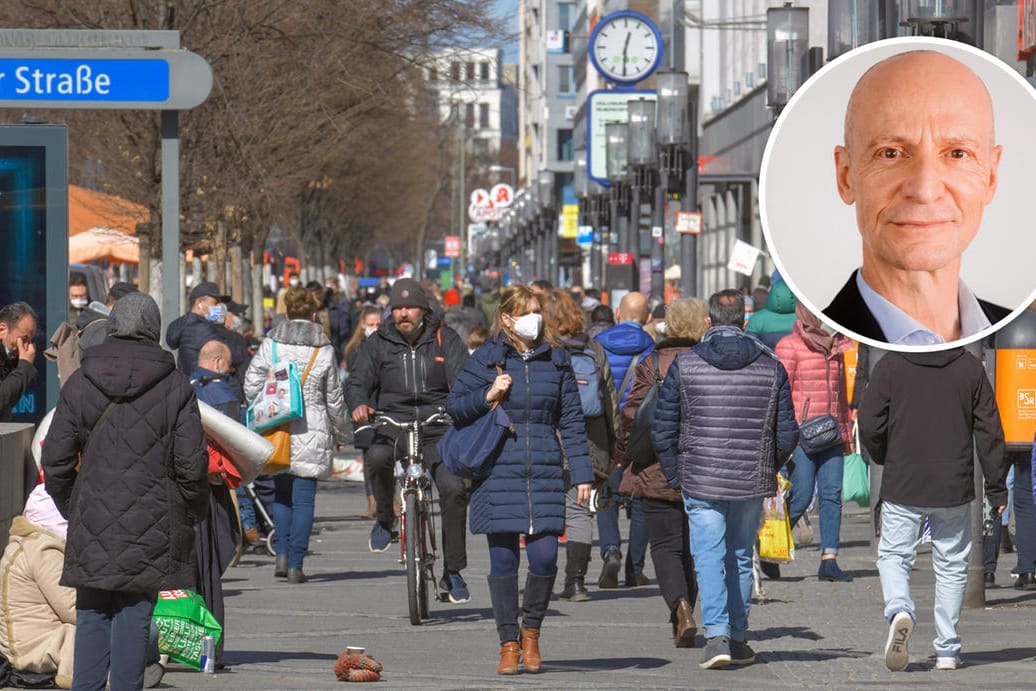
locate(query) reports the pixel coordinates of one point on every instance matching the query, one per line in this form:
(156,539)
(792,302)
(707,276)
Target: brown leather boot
(684,628)
(531,659)
(508,658)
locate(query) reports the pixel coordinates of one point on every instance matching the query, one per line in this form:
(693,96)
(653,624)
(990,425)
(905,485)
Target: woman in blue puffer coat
(524,493)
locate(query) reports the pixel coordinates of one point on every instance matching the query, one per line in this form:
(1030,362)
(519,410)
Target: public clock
(625,47)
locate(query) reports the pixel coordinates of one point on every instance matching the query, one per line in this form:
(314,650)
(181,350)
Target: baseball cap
(236,307)
(207,289)
(121,290)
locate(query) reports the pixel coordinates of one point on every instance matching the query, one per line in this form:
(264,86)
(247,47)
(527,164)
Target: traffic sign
(102,78)
(620,257)
(688,222)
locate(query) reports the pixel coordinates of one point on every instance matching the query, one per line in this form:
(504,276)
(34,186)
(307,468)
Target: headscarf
(41,511)
(135,317)
(809,329)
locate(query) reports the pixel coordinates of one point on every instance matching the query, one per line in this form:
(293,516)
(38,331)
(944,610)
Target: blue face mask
(216,313)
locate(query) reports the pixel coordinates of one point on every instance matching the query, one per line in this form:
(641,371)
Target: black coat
(924,416)
(142,483)
(190,332)
(16,376)
(402,380)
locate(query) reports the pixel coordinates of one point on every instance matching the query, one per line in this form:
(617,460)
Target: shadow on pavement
(818,655)
(785,632)
(322,577)
(604,663)
(988,657)
(244,657)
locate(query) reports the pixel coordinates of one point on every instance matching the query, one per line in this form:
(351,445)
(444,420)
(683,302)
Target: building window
(469,115)
(469,71)
(483,115)
(455,71)
(566,80)
(565,148)
(483,71)
(480,147)
(566,15)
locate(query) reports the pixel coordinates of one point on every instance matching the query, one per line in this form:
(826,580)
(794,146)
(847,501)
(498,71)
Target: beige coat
(37,616)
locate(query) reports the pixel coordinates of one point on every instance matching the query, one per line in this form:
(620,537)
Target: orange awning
(89,209)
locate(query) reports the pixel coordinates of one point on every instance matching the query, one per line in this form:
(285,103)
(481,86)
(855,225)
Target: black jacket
(922,416)
(406,381)
(189,333)
(848,310)
(142,483)
(16,376)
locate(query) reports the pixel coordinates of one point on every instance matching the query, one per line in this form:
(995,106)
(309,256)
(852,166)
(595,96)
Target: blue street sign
(585,237)
(83,80)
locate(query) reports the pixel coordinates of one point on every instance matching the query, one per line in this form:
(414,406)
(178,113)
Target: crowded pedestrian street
(805,633)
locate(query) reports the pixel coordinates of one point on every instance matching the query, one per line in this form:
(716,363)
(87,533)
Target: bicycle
(417,523)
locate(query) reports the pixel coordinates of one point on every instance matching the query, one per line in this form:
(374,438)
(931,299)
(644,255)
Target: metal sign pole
(172,292)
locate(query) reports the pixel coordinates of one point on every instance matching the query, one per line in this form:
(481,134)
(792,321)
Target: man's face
(408,319)
(919,162)
(76,293)
(202,305)
(24,331)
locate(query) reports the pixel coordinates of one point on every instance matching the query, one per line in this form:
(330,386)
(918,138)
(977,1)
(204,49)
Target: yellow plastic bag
(775,540)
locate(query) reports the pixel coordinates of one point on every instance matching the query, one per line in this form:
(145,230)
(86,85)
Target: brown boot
(531,659)
(684,628)
(508,658)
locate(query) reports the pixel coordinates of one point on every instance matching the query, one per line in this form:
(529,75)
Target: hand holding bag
(470,450)
(775,540)
(819,433)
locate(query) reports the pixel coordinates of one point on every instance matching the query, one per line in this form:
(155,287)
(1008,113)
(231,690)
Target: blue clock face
(626,47)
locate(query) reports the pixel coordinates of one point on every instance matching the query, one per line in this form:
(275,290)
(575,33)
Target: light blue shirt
(901,329)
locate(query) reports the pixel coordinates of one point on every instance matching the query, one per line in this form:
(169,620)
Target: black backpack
(640,450)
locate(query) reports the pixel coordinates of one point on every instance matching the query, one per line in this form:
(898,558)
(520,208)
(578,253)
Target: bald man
(625,344)
(920,163)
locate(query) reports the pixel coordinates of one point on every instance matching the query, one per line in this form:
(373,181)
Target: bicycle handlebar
(381,419)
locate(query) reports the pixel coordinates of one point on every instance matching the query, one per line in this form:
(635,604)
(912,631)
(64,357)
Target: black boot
(537,599)
(280,567)
(503,594)
(577,559)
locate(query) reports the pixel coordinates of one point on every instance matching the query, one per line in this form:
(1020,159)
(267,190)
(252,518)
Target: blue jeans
(1024,514)
(293,507)
(246,509)
(723,537)
(951,544)
(112,634)
(825,471)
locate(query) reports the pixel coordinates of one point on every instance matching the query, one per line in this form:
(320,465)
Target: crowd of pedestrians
(145,509)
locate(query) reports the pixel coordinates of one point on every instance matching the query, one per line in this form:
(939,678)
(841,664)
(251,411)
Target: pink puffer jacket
(806,369)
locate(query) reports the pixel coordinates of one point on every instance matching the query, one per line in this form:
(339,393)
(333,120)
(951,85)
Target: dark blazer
(850,311)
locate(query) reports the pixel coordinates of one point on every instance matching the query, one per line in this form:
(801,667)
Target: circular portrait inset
(895,193)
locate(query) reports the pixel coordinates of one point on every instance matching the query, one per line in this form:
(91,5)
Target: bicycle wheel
(269,543)
(414,572)
(427,558)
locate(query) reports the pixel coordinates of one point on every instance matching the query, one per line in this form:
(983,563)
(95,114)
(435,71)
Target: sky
(509,9)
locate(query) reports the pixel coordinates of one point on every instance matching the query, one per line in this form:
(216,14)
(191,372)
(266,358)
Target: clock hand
(625,49)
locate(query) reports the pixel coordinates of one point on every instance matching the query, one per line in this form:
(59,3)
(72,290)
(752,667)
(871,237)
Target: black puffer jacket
(16,376)
(402,380)
(724,423)
(142,484)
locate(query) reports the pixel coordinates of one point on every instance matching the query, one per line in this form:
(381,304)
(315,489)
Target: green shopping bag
(182,620)
(856,483)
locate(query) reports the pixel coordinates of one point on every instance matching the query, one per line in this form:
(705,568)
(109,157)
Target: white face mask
(368,330)
(293,282)
(527,326)
(79,303)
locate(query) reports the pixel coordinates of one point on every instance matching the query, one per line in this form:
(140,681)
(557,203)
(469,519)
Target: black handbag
(820,433)
(640,450)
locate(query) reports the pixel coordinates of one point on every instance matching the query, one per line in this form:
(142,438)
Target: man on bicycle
(405,370)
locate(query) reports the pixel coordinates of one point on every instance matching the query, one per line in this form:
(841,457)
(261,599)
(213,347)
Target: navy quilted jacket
(724,423)
(143,482)
(525,492)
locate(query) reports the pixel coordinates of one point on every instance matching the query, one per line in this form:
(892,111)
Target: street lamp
(588,213)
(617,166)
(504,169)
(642,156)
(678,162)
(787,50)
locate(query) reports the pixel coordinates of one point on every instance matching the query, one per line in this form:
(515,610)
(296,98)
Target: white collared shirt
(902,329)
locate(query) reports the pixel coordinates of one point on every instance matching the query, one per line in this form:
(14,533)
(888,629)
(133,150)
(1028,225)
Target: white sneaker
(948,662)
(896,656)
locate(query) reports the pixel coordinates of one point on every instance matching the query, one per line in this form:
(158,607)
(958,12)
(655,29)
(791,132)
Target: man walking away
(725,470)
(923,417)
